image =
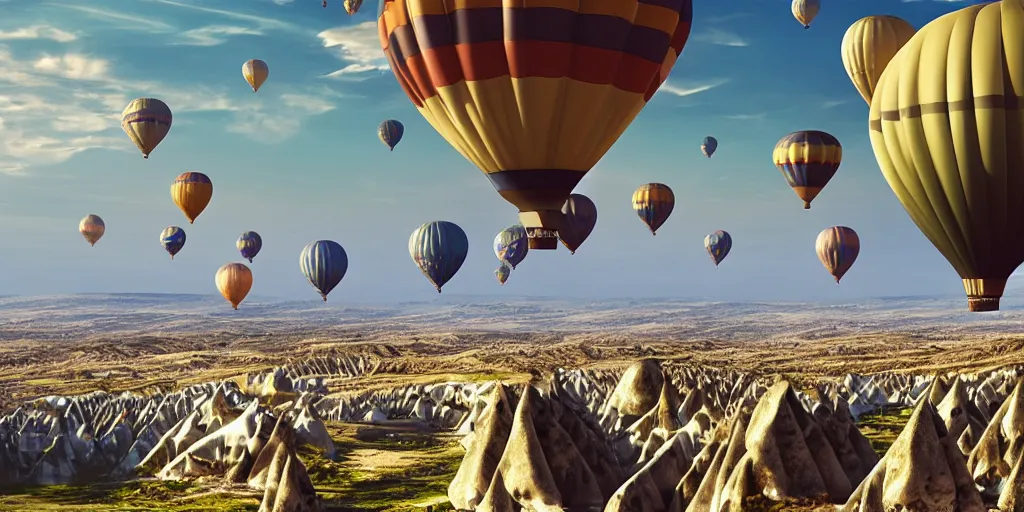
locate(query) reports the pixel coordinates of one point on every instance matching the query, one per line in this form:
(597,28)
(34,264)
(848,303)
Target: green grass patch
(128,496)
(883,427)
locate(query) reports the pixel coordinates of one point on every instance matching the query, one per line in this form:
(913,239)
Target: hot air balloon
(255,72)
(249,244)
(502,273)
(439,249)
(511,245)
(837,248)
(718,245)
(324,263)
(709,146)
(390,133)
(234,281)
(173,239)
(536,110)
(192,191)
(808,160)
(580,217)
(654,202)
(92,228)
(951,149)
(146,121)
(868,46)
(805,11)
(352,6)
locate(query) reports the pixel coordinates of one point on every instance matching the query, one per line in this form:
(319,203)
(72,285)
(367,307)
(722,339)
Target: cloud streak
(720,37)
(358,47)
(38,32)
(689,90)
(123,21)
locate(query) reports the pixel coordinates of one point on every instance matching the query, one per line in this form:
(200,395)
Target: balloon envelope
(837,248)
(502,273)
(952,149)
(718,245)
(653,203)
(580,219)
(533,95)
(192,192)
(868,46)
(439,248)
(255,72)
(249,244)
(511,245)
(352,6)
(709,146)
(92,228)
(805,11)
(146,121)
(234,281)
(172,238)
(808,159)
(324,263)
(390,133)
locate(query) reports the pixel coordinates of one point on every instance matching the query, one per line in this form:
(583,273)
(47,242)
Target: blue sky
(300,160)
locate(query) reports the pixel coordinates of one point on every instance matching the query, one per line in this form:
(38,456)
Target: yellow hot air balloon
(234,281)
(352,6)
(805,11)
(146,121)
(255,72)
(868,46)
(947,128)
(92,228)
(192,191)
(533,98)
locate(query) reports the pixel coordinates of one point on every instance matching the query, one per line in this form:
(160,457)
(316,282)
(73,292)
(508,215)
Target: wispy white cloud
(687,90)
(121,20)
(833,103)
(283,2)
(38,32)
(747,117)
(260,21)
(358,46)
(720,37)
(213,35)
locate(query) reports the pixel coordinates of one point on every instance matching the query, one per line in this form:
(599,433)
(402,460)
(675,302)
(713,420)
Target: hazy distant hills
(99,314)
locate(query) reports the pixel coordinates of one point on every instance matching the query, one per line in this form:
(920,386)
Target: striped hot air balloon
(390,133)
(92,228)
(837,248)
(172,238)
(192,192)
(234,281)
(439,249)
(502,273)
(324,263)
(511,245)
(146,121)
(534,94)
(653,203)
(255,72)
(808,160)
(249,244)
(718,245)
(805,11)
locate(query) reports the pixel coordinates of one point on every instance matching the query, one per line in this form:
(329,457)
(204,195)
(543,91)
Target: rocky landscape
(549,406)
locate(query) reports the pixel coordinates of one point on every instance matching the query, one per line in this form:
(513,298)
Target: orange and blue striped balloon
(653,203)
(808,159)
(172,239)
(324,263)
(192,192)
(439,250)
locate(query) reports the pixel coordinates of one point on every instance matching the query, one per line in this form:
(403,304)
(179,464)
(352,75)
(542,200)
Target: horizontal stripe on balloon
(536,189)
(988,102)
(133,119)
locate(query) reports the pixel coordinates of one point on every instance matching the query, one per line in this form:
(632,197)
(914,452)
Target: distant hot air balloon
(324,263)
(947,127)
(808,160)
(249,244)
(709,146)
(805,11)
(837,248)
(352,6)
(502,273)
(390,133)
(234,281)
(653,203)
(439,249)
(255,72)
(92,228)
(192,191)
(146,121)
(536,111)
(511,245)
(868,46)
(718,245)
(580,218)
(173,239)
